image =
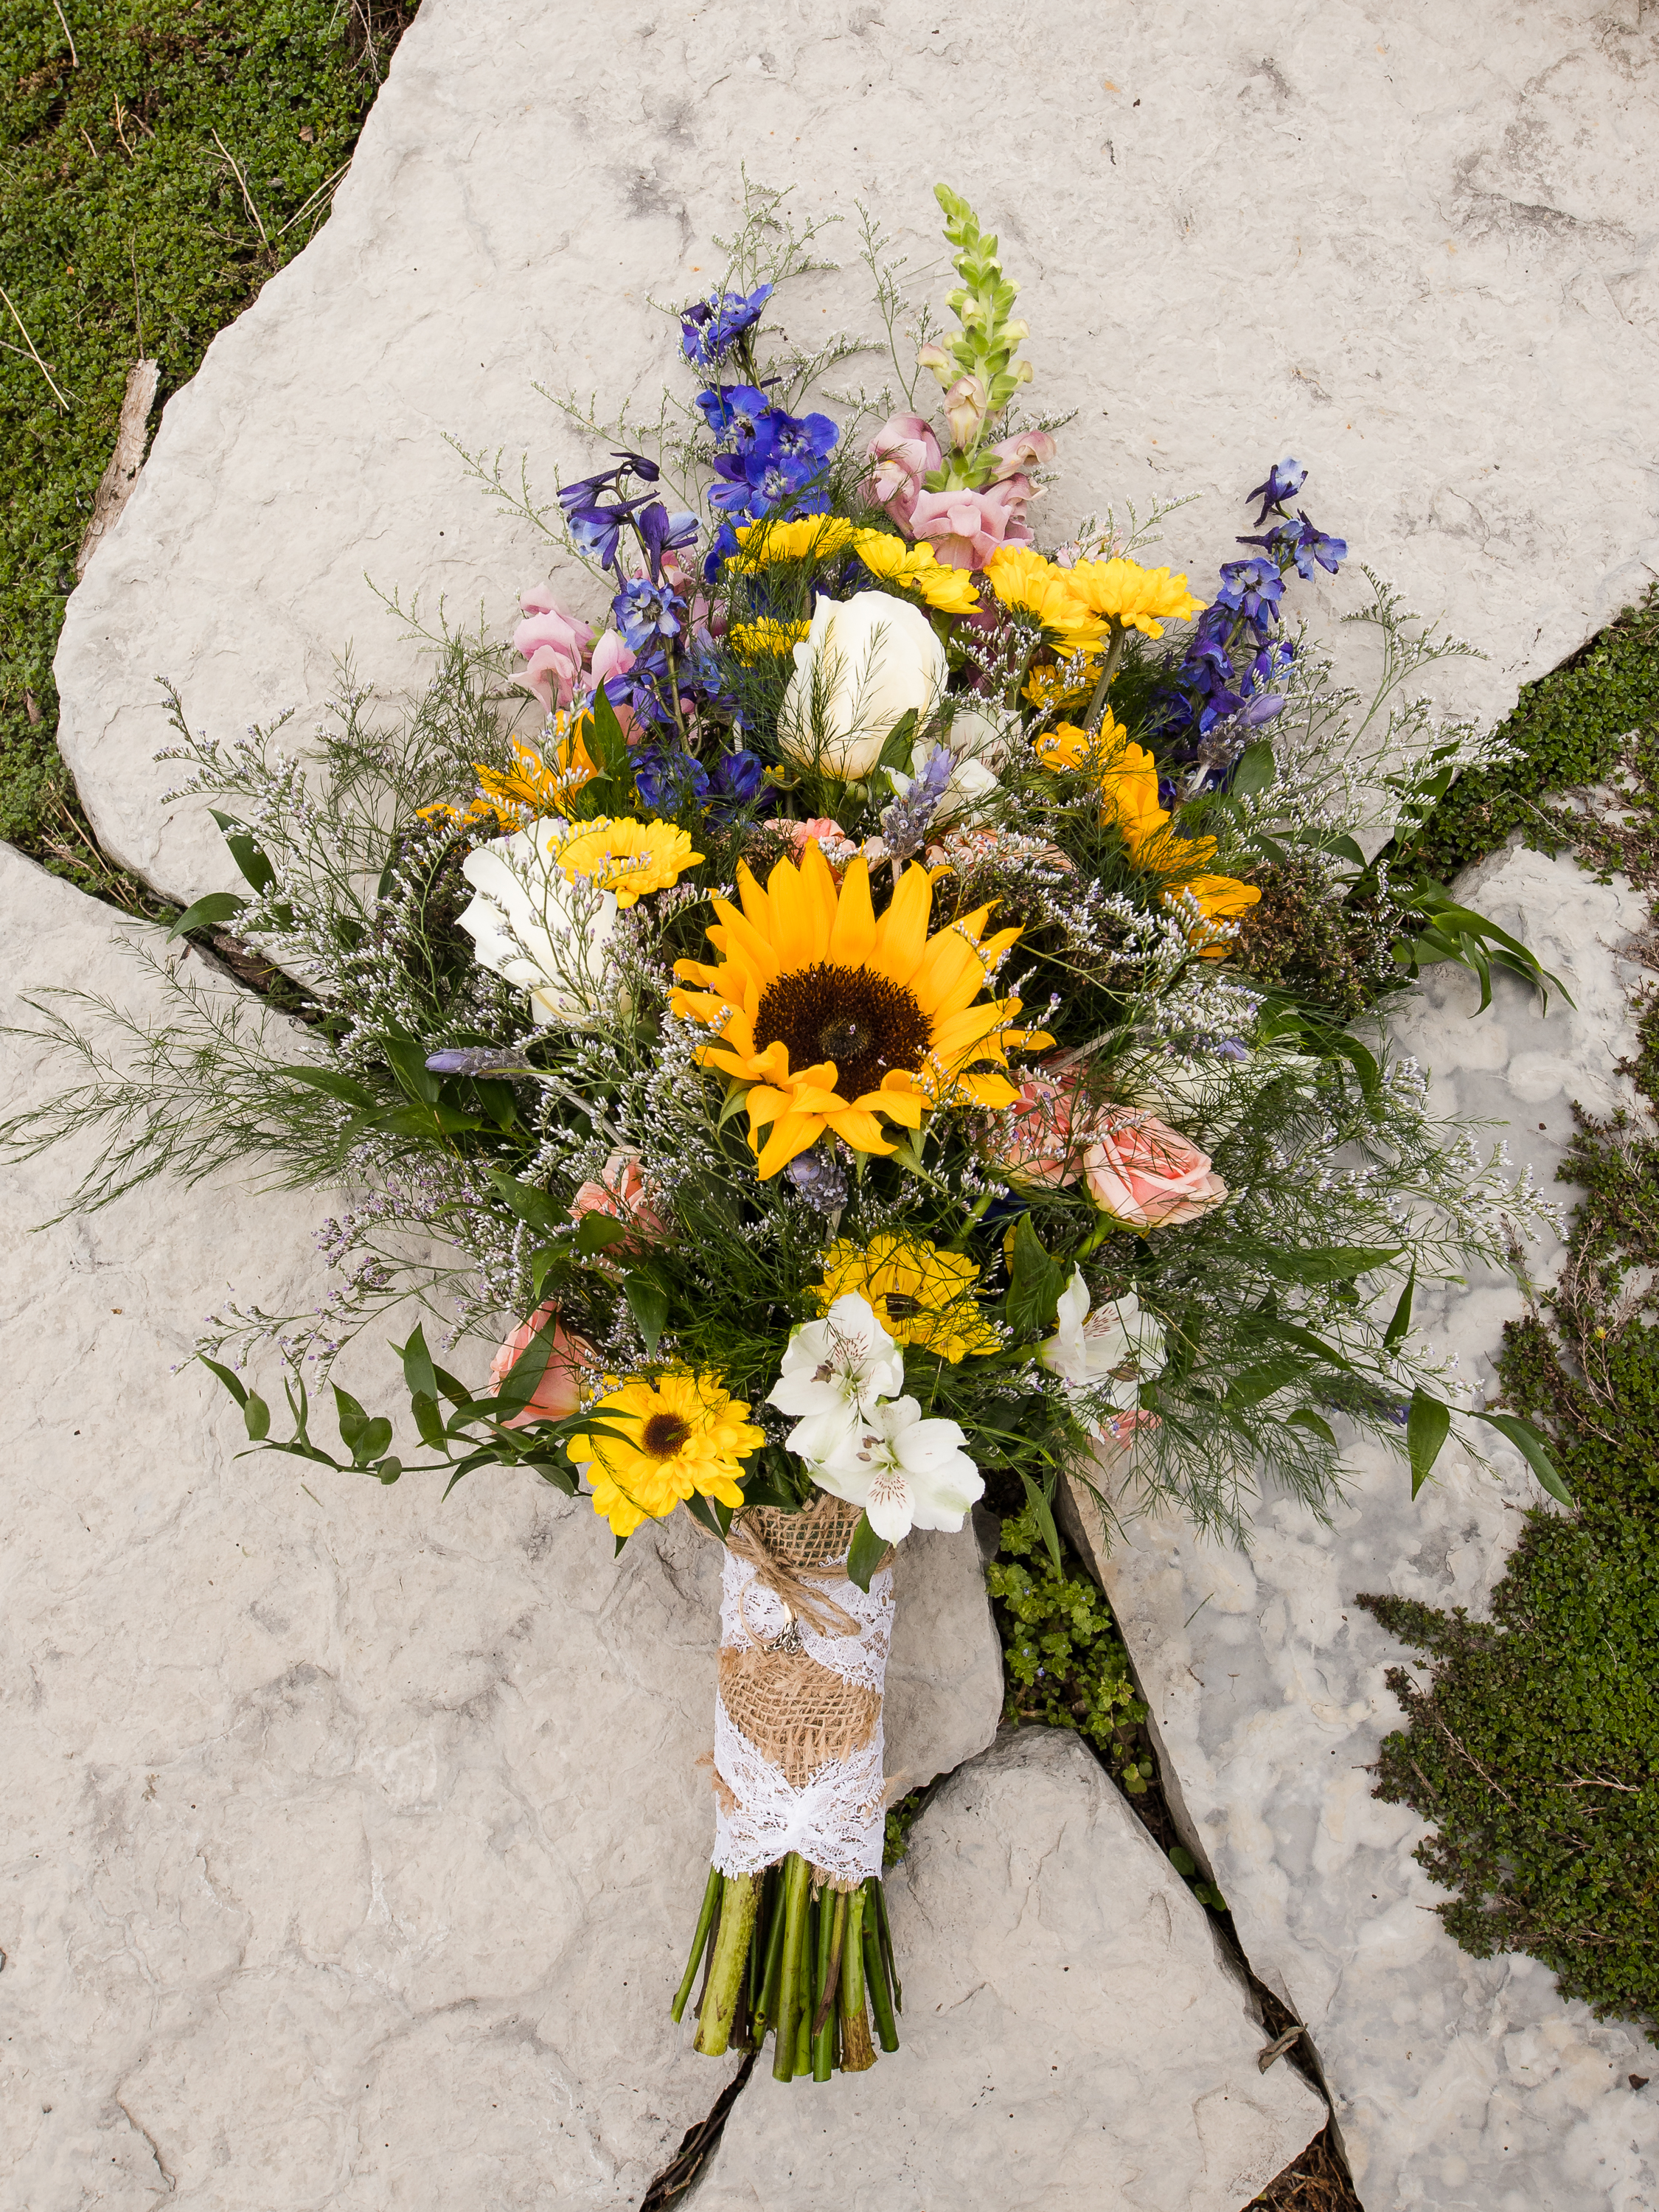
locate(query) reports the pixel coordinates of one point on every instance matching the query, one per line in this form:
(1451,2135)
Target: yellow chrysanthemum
(1042,590)
(1130,596)
(1222,900)
(685,1437)
(629,858)
(1066,746)
(832,1017)
(765,636)
(919,1295)
(531,787)
(905,567)
(1128,775)
(1049,688)
(814,537)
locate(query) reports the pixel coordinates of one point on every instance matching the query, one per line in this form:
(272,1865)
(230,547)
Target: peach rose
(1048,1139)
(620,1192)
(560,1390)
(1145,1173)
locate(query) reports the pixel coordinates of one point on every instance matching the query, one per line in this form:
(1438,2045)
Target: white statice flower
(906,1473)
(836,1371)
(865,663)
(1105,1355)
(531,925)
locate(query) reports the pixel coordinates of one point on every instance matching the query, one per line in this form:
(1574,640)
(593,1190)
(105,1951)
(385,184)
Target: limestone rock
(1412,246)
(1071,2038)
(350,1843)
(1456,2083)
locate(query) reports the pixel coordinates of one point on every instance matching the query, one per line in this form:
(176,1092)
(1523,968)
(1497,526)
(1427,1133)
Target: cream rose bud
(865,663)
(531,925)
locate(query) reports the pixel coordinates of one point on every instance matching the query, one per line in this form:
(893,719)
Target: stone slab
(349,1845)
(1459,2085)
(1072,2040)
(1413,245)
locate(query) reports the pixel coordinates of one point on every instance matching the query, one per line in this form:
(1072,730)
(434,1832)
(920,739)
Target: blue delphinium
(1284,479)
(710,328)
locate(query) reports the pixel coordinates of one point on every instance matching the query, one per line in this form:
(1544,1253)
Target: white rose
(866,662)
(982,733)
(533,925)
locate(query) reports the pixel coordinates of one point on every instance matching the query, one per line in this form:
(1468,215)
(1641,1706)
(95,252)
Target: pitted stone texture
(1459,2085)
(1412,244)
(349,1843)
(1071,2038)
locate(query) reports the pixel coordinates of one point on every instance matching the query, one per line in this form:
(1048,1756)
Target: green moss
(125,232)
(1567,731)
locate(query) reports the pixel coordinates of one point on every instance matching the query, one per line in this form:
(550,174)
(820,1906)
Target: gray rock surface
(1072,2041)
(1413,244)
(1459,2085)
(349,1845)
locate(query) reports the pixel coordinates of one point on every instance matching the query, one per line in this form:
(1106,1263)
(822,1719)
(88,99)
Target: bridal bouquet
(878,1007)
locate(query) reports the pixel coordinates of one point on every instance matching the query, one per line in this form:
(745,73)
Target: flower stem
(766,2012)
(792,1909)
(887,1958)
(802,2030)
(875,1975)
(822,2035)
(1096,712)
(711,1898)
(738,1906)
(857,2051)
(832,1976)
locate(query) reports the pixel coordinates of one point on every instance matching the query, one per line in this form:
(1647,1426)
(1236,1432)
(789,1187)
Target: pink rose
(559,1391)
(905,451)
(827,835)
(966,528)
(1145,1173)
(620,1192)
(1047,1138)
(554,644)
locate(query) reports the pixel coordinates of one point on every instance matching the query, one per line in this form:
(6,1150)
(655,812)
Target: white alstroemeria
(531,925)
(1110,1353)
(906,1473)
(836,1372)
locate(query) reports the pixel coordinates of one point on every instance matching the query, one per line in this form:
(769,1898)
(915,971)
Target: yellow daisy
(919,1295)
(1222,900)
(532,787)
(831,1016)
(1042,590)
(629,858)
(1066,746)
(815,538)
(682,1437)
(905,567)
(754,641)
(1130,596)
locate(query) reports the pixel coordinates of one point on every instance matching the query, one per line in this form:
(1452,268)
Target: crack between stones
(138,2128)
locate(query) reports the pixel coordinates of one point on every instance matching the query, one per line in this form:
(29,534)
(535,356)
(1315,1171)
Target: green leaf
(1256,770)
(407,1061)
(257,1415)
(1035,1279)
(864,1554)
(1427,1426)
(217,906)
(419,1374)
(1534,1449)
(497,1101)
(1396,1329)
(607,746)
(245,851)
(1183,1862)
(1260,1381)
(714,1517)
(388,1470)
(1289,1333)
(352,1419)
(335,1086)
(648,1303)
(230,1381)
(1305,1418)
(559,1473)
(375,1437)
(736,1099)
(429,1421)
(896,750)
(596,1231)
(1329,1263)
(529,1204)
(1042,1512)
(519,1386)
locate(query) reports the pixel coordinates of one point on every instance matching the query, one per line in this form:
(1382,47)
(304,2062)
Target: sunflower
(814,537)
(905,567)
(1130,596)
(683,1436)
(764,637)
(831,1017)
(629,858)
(1042,591)
(919,1295)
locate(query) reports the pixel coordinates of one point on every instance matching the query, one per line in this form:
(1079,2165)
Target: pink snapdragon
(905,452)
(965,527)
(554,645)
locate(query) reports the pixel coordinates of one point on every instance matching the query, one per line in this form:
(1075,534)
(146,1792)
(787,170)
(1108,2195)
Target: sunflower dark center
(867,1024)
(665,1434)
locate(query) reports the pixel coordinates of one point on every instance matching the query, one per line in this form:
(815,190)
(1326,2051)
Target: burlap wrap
(798,1738)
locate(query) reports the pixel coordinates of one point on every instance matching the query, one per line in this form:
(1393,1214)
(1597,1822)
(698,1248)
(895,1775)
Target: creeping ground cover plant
(843,1000)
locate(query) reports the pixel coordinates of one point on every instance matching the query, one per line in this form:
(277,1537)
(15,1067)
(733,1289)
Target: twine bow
(816,1608)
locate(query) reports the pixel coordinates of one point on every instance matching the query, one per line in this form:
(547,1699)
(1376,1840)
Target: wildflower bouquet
(889,1027)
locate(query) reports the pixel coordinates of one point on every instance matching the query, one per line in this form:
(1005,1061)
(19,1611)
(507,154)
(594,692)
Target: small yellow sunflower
(683,1436)
(626,857)
(831,1016)
(905,567)
(815,538)
(1042,591)
(764,637)
(919,1295)
(1130,596)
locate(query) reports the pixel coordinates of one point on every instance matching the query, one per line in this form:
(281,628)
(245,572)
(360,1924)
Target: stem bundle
(806,1963)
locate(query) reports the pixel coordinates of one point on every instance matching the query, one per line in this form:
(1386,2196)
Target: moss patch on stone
(156,171)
